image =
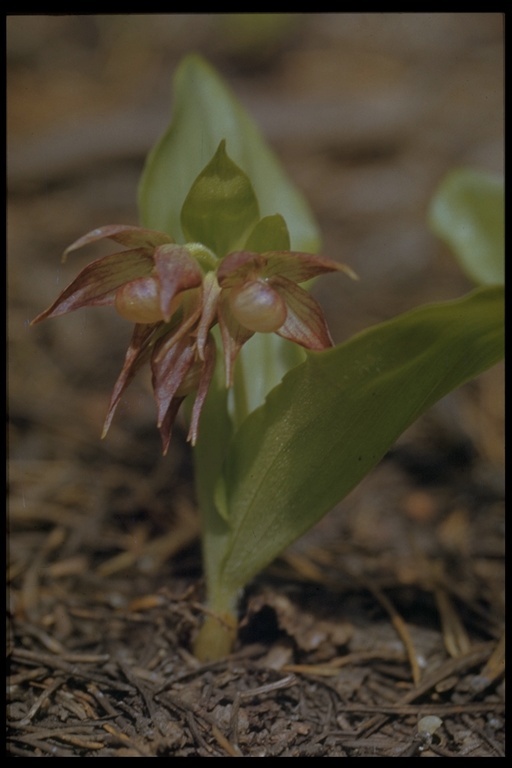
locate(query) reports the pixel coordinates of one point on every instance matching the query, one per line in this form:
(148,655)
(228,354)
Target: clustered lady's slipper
(264,477)
(175,299)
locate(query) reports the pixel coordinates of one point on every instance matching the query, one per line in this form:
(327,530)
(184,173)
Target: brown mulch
(344,650)
(381,632)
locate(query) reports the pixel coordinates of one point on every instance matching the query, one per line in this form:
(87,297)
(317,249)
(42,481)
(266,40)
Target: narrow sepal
(136,355)
(233,336)
(169,371)
(125,234)
(97,283)
(202,391)
(305,322)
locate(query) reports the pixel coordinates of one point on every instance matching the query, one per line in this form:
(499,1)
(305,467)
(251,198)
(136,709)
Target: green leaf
(261,365)
(206,112)
(335,416)
(468,213)
(269,234)
(221,206)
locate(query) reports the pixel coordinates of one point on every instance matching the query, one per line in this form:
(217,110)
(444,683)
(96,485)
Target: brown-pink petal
(98,282)
(294,265)
(299,266)
(239,266)
(305,322)
(211,292)
(202,391)
(177,271)
(125,234)
(233,336)
(168,422)
(169,371)
(179,328)
(136,355)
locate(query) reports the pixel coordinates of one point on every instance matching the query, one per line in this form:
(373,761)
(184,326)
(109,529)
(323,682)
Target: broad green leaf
(335,416)
(221,206)
(262,363)
(468,213)
(206,112)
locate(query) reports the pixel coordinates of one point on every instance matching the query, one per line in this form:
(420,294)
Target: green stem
(240,395)
(218,633)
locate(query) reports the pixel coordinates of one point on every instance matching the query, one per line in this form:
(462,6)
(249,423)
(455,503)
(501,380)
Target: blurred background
(367,113)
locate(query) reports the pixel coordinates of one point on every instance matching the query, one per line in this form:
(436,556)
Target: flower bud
(139,301)
(257,306)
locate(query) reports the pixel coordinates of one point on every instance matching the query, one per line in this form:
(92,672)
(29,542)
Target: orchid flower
(162,287)
(157,285)
(259,293)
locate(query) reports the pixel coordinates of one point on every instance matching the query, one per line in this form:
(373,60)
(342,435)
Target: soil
(380,633)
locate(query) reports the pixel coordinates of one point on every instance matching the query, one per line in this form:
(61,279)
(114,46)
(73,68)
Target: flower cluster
(175,299)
